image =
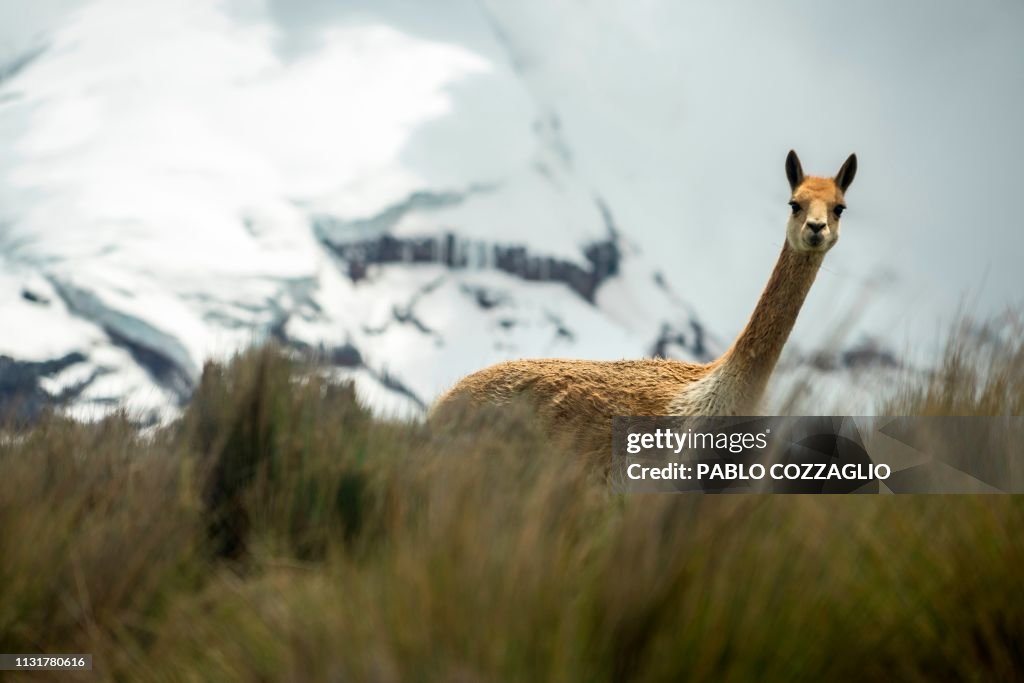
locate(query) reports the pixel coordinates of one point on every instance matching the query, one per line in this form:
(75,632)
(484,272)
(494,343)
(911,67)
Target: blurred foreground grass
(278,532)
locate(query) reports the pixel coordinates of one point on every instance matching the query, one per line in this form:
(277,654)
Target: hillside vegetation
(279,532)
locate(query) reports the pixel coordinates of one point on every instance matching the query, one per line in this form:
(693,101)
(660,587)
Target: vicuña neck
(753,355)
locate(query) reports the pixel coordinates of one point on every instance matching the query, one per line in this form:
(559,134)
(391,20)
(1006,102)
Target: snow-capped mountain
(176,184)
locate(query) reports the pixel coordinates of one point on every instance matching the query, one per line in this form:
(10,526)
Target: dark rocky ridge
(22,397)
(601,258)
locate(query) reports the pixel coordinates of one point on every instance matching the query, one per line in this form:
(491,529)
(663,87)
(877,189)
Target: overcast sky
(681,114)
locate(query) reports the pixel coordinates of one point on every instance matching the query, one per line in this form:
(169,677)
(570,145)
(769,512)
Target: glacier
(176,187)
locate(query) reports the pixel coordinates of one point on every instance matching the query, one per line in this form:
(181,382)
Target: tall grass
(981,373)
(279,532)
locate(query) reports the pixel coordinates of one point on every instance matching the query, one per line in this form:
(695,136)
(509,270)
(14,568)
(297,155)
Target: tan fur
(579,398)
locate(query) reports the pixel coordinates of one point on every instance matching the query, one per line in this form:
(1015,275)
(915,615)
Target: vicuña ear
(845,176)
(794,171)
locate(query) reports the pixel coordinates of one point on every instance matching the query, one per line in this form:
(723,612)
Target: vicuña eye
(795,206)
(839,210)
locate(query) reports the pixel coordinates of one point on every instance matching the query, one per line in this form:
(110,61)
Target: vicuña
(580,397)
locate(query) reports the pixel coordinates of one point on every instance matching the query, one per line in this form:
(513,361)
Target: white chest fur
(719,393)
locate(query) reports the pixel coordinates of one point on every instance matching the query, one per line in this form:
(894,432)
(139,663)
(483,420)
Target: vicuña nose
(815,227)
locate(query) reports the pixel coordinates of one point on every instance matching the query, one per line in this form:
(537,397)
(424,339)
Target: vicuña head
(579,398)
(816,204)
